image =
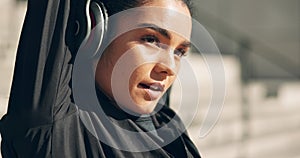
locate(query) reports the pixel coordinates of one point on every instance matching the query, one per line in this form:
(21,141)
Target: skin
(139,66)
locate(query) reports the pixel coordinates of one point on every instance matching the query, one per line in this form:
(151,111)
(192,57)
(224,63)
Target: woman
(47,117)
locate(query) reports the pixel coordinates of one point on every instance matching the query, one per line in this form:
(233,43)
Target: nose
(163,70)
(166,64)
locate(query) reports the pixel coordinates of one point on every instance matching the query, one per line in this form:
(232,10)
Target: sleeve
(40,92)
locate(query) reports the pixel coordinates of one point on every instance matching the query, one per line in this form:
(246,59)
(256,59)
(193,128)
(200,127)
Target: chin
(145,107)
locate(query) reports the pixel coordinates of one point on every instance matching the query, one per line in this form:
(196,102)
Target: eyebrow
(156,28)
(163,32)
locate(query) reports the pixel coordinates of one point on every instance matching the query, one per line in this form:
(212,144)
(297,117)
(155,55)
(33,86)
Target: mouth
(153,90)
(153,86)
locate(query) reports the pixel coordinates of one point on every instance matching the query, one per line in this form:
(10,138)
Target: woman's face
(139,66)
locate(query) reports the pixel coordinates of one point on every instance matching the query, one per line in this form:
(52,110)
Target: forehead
(166,18)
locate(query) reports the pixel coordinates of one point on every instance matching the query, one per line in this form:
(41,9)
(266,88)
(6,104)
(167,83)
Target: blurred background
(260,45)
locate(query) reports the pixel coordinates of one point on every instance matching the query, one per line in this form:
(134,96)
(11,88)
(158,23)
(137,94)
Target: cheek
(170,81)
(140,73)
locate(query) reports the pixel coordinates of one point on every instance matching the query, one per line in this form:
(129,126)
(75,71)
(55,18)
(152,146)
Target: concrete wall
(250,125)
(271,28)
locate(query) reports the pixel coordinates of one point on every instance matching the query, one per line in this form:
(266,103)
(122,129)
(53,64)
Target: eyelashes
(152,39)
(180,52)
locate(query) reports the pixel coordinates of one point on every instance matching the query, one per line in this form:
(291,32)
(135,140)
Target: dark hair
(115,6)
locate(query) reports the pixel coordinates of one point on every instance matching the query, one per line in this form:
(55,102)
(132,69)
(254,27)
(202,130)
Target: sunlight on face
(139,66)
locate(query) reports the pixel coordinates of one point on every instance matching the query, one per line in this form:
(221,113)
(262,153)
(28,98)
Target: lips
(153,86)
(154,90)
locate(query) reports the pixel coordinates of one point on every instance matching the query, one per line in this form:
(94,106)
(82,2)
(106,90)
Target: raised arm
(40,91)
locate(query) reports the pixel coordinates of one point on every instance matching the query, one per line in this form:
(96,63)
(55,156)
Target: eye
(180,52)
(150,39)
